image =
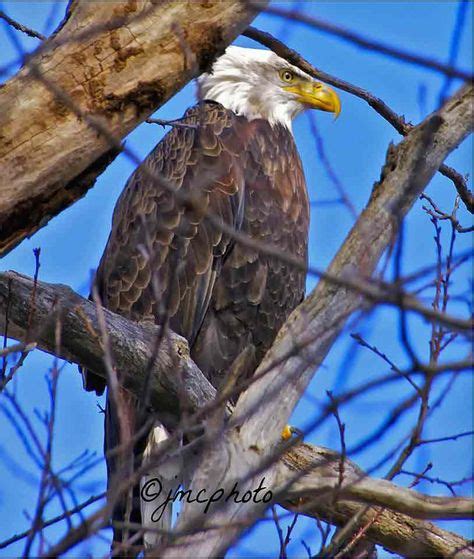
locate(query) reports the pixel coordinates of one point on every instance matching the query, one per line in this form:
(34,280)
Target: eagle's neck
(247,99)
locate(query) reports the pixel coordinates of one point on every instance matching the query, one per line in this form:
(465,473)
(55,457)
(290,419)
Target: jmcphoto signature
(153,488)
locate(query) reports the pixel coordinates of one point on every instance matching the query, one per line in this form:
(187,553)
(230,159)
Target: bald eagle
(234,153)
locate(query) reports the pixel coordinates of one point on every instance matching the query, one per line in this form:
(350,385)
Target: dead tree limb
(314,470)
(33,312)
(322,467)
(400,533)
(320,319)
(118,63)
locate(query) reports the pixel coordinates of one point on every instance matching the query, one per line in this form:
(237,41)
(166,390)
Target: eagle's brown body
(166,260)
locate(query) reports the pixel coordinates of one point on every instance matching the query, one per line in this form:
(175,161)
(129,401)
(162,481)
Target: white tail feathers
(156,485)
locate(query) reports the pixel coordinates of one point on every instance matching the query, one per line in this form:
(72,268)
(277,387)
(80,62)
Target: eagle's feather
(164,258)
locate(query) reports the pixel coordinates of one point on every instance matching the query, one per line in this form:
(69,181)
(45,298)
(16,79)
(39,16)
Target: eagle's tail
(159,485)
(123,455)
(145,505)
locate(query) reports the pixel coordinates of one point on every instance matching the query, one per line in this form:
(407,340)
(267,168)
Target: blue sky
(356,144)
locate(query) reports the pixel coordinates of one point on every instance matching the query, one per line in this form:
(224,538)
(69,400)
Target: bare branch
(20,27)
(54,520)
(439,214)
(400,534)
(397,121)
(311,329)
(317,471)
(370,44)
(131,343)
(462,11)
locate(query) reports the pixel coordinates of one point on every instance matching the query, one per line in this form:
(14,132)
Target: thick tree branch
(312,327)
(245,449)
(118,63)
(313,472)
(323,469)
(33,313)
(397,532)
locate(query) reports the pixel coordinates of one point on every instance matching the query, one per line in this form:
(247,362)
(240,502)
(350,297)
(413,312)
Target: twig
(357,537)
(447,438)
(47,475)
(397,121)
(358,338)
(463,7)
(341,429)
(25,349)
(54,520)
(175,122)
(289,531)
(20,27)
(449,484)
(439,214)
(344,197)
(370,44)
(278,529)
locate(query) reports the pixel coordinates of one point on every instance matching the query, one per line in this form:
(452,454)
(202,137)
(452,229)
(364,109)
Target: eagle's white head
(257,83)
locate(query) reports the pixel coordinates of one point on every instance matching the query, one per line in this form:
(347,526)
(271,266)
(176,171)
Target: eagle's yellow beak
(316,95)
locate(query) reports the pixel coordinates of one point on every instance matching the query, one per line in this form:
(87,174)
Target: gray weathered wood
(33,314)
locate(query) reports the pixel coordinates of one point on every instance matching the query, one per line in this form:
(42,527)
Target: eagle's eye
(287,76)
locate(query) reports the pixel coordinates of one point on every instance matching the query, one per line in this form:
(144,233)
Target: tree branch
(313,327)
(20,27)
(33,313)
(397,532)
(322,467)
(372,45)
(311,472)
(118,66)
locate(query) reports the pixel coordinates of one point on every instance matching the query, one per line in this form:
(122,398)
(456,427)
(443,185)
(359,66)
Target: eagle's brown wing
(162,257)
(255,292)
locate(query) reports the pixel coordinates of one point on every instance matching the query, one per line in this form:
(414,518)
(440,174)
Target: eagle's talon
(287,433)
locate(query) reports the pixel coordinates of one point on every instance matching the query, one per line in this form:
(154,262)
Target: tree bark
(400,533)
(117,62)
(30,312)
